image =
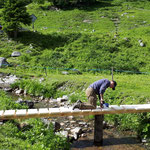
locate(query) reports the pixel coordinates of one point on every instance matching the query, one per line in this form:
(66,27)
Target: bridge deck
(62,111)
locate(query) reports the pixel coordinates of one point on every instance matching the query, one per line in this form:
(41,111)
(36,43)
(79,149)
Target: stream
(112,139)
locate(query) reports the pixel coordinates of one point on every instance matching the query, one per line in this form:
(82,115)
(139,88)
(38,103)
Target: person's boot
(78,102)
(76,105)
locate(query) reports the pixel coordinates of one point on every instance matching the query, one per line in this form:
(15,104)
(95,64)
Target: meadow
(92,40)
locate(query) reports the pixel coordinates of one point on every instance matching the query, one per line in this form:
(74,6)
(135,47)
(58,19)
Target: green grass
(83,38)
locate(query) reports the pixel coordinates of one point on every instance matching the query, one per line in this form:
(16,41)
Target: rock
(72,122)
(31,46)
(70,117)
(76,130)
(87,21)
(65,72)
(68,129)
(3,62)
(144,141)
(83,135)
(75,135)
(1,122)
(10,79)
(7,89)
(41,98)
(63,99)
(62,133)
(105,125)
(15,54)
(142,44)
(20,91)
(62,123)
(82,123)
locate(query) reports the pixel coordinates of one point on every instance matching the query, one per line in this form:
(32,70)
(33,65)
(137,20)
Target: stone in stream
(7,89)
(76,130)
(20,91)
(62,133)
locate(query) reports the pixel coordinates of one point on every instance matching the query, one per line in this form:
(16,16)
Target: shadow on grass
(46,41)
(84,6)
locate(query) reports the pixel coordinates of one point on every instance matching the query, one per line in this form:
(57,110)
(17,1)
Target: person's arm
(101,100)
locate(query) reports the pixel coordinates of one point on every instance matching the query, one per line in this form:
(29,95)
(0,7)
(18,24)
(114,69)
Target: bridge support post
(98,130)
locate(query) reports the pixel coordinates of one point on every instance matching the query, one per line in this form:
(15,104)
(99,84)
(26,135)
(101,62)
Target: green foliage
(14,13)
(37,89)
(7,103)
(36,136)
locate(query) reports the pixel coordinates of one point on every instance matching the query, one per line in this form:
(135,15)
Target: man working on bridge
(96,88)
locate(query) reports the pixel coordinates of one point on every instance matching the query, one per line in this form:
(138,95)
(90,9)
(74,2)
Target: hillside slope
(110,33)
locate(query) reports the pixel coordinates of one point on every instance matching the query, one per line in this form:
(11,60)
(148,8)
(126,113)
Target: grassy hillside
(96,37)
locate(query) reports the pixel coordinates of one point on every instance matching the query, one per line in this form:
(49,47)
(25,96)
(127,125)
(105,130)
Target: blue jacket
(100,86)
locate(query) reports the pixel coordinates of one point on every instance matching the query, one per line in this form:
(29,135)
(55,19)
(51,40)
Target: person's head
(113,84)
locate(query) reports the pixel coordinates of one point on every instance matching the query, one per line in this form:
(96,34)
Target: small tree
(14,13)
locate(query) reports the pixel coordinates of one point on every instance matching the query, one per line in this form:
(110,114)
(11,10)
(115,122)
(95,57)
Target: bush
(7,103)
(38,136)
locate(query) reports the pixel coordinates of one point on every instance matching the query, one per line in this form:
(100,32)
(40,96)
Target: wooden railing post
(98,130)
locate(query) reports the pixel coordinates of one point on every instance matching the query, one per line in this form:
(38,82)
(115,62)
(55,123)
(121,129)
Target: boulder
(15,54)
(3,62)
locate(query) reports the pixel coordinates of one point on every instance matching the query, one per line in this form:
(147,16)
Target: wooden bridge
(67,111)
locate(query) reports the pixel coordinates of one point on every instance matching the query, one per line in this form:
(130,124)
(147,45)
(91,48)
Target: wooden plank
(43,111)
(21,112)
(128,107)
(9,114)
(54,112)
(76,112)
(32,112)
(116,108)
(1,113)
(143,107)
(86,112)
(97,111)
(65,111)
